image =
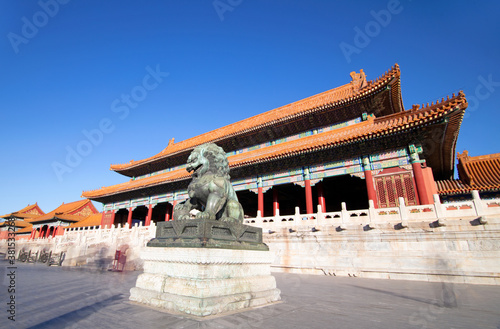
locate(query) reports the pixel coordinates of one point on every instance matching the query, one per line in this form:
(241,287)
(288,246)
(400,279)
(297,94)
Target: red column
(429,181)
(150,213)
(370,187)
(321,196)
(173,207)
(420,180)
(129,218)
(276,204)
(32,234)
(260,200)
(309,202)
(112,218)
(104,217)
(167,212)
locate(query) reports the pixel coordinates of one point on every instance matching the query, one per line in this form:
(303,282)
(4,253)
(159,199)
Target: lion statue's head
(208,158)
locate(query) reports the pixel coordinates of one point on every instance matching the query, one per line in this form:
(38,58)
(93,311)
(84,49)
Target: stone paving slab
(62,297)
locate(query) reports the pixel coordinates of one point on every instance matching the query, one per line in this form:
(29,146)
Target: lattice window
(410,198)
(391,193)
(382,196)
(390,188)
(398,180)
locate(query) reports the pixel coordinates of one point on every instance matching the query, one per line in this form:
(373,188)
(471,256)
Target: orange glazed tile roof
(452,186)
(171,176)
(24,230)
(372,128)
(365,130)
(481,173)
(483,170)
(28,212)
(17,223)
(92,220)
(69,211)
(337,96)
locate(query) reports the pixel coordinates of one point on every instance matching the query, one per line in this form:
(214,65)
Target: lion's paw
(203,215)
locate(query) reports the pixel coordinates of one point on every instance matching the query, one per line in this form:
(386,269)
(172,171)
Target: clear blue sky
(67,67)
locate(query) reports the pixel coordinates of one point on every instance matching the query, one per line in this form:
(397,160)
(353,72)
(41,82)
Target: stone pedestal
(205,281)
(207,234)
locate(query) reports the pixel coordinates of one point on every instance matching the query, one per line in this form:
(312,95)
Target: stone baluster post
(403,212)
(297,218)
(371,211)
(320,216)
(438,206)
(152,232)
(478,204)
(344,217)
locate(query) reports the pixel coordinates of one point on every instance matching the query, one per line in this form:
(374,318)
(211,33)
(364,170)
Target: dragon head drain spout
(210,192)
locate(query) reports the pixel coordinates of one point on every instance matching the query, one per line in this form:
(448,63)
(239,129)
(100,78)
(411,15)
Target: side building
(355,144)
(480,173)
(21,219)
(53,223)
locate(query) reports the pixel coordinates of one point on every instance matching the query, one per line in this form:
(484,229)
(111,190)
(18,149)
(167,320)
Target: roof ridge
(419,110)
(344,93)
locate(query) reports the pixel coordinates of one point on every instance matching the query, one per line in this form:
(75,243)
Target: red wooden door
(391,187)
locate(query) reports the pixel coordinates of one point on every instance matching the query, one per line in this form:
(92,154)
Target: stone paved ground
(55,297)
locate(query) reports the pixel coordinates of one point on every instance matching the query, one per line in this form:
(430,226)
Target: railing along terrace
(436,212)
(97,234)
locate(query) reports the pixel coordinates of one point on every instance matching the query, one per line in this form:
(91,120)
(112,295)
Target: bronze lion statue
(211,195)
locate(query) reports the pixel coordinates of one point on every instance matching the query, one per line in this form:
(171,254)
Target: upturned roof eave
(372,87)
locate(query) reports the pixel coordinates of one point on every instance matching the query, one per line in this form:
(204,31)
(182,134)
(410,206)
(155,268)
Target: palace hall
(355,144)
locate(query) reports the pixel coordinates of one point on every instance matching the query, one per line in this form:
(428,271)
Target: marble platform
(205,281)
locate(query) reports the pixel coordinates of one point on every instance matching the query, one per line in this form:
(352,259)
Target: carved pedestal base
(205,281)
(197,233)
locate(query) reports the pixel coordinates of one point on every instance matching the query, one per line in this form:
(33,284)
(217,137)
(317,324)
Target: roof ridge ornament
(358,79)
(171,142)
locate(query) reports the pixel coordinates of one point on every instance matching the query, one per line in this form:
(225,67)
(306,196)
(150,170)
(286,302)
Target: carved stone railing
(86,245)
(111,235)
(437,212)
(371,217)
